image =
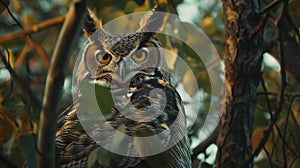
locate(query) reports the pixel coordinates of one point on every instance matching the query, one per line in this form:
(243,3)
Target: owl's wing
(74,145)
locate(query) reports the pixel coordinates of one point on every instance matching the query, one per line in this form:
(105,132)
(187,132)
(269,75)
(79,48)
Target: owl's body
(145,103)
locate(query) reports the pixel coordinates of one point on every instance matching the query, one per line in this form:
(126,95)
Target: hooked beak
(121,71)
(123,74)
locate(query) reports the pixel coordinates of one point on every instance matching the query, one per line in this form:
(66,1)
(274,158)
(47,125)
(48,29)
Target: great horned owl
(146,105)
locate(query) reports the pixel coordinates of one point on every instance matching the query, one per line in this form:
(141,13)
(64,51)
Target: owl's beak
(122,71)
(123,74)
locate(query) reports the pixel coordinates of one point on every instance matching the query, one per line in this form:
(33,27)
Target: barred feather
(74,145)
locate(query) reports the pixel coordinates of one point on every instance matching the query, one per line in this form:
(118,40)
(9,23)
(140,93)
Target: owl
(144,122)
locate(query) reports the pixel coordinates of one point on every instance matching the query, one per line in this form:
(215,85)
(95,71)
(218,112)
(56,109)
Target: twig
(40,50)
(34,28)
(269,6)
(10,13)
(274,143)
(290,21)
(295,140)
(285,127)
(268,156)
(258,27)
(54,83)
(266,97)
(22,55)
(276,94)
(282,58)
(283,139)
(292,163)
(294,117)
(30,42)
(33,135)
(270,111)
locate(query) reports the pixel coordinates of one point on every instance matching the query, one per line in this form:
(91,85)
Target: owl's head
(121,59)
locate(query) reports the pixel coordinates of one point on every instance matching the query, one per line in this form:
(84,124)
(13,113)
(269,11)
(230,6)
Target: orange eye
(102,58)
(140,55)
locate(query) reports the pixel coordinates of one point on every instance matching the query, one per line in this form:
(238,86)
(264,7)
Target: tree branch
(292,163)
(269,6)
(40,50)
(285,130)
(34,28)
(276,94)
(54,83)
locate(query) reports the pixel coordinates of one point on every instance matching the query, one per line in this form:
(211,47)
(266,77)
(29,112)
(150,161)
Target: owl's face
(122,59)
(114,60)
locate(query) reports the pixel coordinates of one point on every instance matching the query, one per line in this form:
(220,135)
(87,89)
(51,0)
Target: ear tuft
(91,24)
(154,21)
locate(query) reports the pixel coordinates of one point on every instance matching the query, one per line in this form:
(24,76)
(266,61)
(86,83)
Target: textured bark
(243,56)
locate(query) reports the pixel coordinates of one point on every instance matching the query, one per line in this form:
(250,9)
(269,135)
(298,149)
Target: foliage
(29,57)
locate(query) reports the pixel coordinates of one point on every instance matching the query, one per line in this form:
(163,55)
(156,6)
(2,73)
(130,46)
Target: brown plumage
(103,64)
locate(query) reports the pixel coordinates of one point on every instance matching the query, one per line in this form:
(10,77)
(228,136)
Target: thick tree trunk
(243,56)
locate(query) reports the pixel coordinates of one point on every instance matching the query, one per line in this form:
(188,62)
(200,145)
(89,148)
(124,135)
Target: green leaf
(95,98)
(105,100)
(146,146)
(101,156)
(27,148)
(111,159)
(294,130)
(14,105)
(130,6)
(92,157)
(144,132)
(6,146)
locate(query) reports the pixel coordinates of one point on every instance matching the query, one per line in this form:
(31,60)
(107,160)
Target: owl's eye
(102,58)
(140,55)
